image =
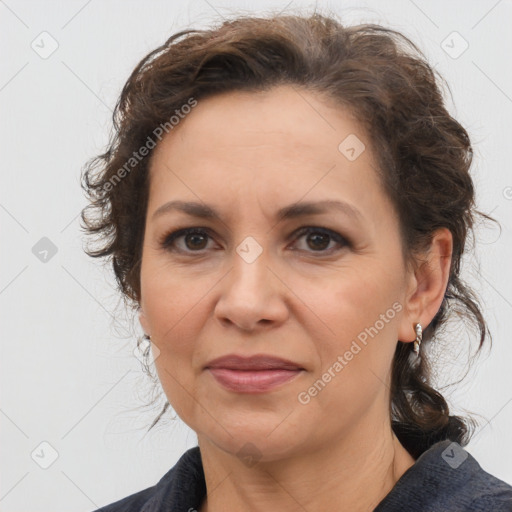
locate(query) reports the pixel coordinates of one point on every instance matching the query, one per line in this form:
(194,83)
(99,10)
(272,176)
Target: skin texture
(247,155)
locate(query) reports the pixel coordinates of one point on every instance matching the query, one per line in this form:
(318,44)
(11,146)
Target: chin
(255,437)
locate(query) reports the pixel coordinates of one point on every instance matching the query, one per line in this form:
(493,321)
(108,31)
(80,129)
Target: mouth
(255,374)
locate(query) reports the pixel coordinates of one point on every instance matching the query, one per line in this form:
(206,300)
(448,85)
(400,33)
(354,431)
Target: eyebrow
(293,211)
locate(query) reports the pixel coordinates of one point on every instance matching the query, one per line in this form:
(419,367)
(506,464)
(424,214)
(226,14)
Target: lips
(255,374)
(257,362)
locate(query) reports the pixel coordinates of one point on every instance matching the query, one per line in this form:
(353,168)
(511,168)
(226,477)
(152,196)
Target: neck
(355,474)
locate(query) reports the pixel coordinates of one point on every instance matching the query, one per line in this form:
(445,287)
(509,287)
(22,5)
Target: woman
(286,202)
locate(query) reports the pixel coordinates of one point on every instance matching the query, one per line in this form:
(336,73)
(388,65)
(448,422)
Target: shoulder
(447,477)
(491,493)
(184,481)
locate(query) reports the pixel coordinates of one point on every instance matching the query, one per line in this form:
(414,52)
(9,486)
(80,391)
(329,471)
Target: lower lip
(252,381)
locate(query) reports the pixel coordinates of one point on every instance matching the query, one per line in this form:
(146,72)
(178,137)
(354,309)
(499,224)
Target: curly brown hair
(378,74)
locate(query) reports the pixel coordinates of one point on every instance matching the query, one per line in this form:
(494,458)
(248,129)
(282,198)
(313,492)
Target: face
(323,289)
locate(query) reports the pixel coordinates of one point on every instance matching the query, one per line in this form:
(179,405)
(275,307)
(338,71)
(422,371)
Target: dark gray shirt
(445,478)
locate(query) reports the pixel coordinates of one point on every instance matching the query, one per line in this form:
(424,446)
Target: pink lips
(256,374)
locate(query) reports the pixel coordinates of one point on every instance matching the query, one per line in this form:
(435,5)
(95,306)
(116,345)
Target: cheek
(357,299)
(169,307)
(362,309)
(172,308)
(175,304)
(168,298)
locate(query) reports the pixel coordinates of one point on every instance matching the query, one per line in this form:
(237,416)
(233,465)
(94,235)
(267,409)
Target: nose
(253,296)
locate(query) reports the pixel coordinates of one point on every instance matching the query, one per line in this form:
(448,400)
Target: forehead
(294,120)
(274,146)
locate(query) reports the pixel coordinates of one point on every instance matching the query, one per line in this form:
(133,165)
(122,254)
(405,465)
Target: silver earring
(419,337)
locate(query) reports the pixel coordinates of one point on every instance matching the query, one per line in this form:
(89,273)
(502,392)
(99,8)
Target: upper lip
(256,362)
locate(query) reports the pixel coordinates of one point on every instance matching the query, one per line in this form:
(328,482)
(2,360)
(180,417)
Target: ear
(143,321)
(426,285)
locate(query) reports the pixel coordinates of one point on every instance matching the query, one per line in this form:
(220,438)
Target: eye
(196,239)
(318,239)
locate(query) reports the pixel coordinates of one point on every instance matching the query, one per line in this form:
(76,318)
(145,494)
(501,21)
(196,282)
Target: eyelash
(168,240)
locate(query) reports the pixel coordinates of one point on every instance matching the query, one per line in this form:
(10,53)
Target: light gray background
(68,373)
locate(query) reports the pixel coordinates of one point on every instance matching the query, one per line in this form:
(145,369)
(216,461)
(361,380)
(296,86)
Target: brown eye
(319,239)
(191,240)
(195,241)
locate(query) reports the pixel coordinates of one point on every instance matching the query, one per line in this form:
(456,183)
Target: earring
(419,337)
(147,337)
